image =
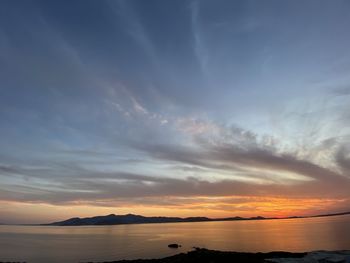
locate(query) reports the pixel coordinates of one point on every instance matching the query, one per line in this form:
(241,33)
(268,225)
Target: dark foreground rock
(318,257)
(202,255)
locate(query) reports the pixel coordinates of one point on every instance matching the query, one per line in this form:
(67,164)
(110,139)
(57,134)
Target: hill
(113,219)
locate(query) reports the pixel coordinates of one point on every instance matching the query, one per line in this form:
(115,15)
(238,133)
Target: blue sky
(212,108)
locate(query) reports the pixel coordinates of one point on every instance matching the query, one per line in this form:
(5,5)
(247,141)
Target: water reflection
(96,243)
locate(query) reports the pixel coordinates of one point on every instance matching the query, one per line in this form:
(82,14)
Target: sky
(173,108)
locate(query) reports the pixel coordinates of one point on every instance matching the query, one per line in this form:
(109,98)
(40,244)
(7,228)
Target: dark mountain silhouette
(113,219)
(334,214)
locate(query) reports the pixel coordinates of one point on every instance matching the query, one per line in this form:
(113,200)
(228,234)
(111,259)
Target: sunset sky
(173,108)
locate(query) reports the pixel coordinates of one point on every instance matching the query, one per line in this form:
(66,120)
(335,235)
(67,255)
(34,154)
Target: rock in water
(174,245)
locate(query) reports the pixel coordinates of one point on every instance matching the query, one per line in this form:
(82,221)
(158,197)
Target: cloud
(195,126)
(248,157)
(134,27)
(341,91)
(342,158)
(199,47)
(252,167)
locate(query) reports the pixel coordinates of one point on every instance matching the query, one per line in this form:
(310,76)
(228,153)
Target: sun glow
(213,207)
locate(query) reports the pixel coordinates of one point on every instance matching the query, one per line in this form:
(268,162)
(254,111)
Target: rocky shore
(201,255)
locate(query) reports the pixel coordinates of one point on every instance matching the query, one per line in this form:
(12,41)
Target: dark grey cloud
(108,187)
(341,91)
(229,156)
(342,158)
(132,188)
(252,167)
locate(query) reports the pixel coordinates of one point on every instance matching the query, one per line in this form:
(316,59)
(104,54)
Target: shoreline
(202,255)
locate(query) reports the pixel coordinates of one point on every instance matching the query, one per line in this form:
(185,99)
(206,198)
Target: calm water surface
(97,243)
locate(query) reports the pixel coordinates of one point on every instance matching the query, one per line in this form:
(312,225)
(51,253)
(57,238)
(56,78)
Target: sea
(39,244)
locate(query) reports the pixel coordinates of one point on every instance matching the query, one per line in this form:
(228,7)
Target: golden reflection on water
(96,243)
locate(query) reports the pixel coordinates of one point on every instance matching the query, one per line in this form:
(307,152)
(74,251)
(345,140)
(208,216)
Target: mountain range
(113,219)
